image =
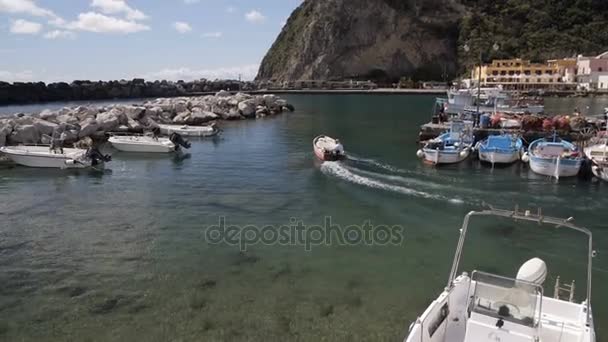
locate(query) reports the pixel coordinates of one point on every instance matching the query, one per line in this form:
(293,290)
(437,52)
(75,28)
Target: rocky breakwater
(83,125)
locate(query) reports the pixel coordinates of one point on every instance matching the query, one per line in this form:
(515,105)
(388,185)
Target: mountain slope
(388,39)
(361,39)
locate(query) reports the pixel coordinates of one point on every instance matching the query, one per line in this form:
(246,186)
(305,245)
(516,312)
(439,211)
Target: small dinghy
(598,154)
(190,131)
(328,149)
(59,158)
(148,144)
(451,147)
(500,149)
(553,157)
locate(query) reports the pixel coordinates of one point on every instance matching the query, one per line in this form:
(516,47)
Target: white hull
(499,158)
(41,157)
(555,167)
(440,157)
(600,172)
(142,144)
(189,131)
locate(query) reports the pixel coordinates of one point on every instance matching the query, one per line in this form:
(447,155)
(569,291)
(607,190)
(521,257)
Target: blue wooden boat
(500,149)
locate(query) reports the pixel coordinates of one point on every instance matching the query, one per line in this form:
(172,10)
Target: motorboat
(553,157)
(190,131)
(598,154)
(328,149)
(60,158)
(148,143)
(500,149)
(481,306)
(451,147)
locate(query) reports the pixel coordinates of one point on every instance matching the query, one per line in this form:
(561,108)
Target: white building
(592,72)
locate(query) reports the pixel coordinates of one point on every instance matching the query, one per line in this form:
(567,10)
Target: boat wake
(338,170)
(377,164)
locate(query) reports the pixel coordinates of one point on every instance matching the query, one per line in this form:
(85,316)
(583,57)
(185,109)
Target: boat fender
(525,157)
(464,153)
(419,154)
(70,162)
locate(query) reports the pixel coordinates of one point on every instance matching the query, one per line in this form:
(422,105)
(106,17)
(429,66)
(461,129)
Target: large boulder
(232,114)
(24,134)
(108,120)
(247,108)
(199,117)
(135,112)
(44,127)
(84,112)
(67,118)
(153,112)
(48,115)
(270,100)
(240,97)
(134,125)
(222,93)
(84,143)
(181,107)
(181,118)
(88,127)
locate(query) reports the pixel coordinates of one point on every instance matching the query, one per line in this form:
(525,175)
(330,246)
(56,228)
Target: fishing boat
(328,149)
(500,149)
(481,306)
(190,131)
(553,157)
(59,158)
(148,144)
(451,147)
(598,154)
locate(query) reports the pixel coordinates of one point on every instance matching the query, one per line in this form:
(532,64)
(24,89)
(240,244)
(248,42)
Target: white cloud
(24,7)
(118,6)
(182,27)
(189,2)
(21,26)
(16,76)
(212,34)
(247,72)
(96,22)
(230,9)
(60,34)
(255,17)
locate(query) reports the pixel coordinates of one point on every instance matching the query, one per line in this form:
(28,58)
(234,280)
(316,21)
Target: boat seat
(481,328)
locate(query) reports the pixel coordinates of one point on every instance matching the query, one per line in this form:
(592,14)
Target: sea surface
(130,253)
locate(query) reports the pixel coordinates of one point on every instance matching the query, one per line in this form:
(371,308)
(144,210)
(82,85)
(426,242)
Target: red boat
(328,149)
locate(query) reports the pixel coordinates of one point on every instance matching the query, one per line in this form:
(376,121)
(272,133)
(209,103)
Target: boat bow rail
(516,214)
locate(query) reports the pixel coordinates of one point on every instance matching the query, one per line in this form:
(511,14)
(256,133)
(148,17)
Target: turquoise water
(122,255)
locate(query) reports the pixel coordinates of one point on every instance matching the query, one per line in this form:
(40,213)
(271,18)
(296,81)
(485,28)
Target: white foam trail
(400,179)
(378,164)
(337,170)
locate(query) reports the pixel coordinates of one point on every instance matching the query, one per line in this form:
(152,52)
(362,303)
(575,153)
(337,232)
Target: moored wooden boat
(328,149)
(451,147)
(598,154)
(500,149)
(554,157)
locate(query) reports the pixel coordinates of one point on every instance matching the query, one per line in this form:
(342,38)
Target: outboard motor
(179,141)
(97,157)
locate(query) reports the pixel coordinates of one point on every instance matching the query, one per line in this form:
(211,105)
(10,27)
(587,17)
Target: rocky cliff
(366,39)
(384,40)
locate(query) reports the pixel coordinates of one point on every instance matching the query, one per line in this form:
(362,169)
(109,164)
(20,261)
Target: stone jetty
(83,124)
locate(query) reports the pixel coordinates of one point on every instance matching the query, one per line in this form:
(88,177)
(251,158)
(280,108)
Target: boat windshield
(512,300)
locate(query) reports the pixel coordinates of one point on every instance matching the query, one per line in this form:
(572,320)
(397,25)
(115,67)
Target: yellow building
(521,74)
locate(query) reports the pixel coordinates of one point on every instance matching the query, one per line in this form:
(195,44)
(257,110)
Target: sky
(65,40)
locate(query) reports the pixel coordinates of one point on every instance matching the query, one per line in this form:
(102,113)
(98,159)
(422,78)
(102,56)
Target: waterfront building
(592,72)
(521,74)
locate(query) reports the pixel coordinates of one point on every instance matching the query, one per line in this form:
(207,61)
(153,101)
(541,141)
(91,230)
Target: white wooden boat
(554,157)
(485,307)
(148,144)
(598,154)
(451,147)
(327,148)
(45,157)
(190,131)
